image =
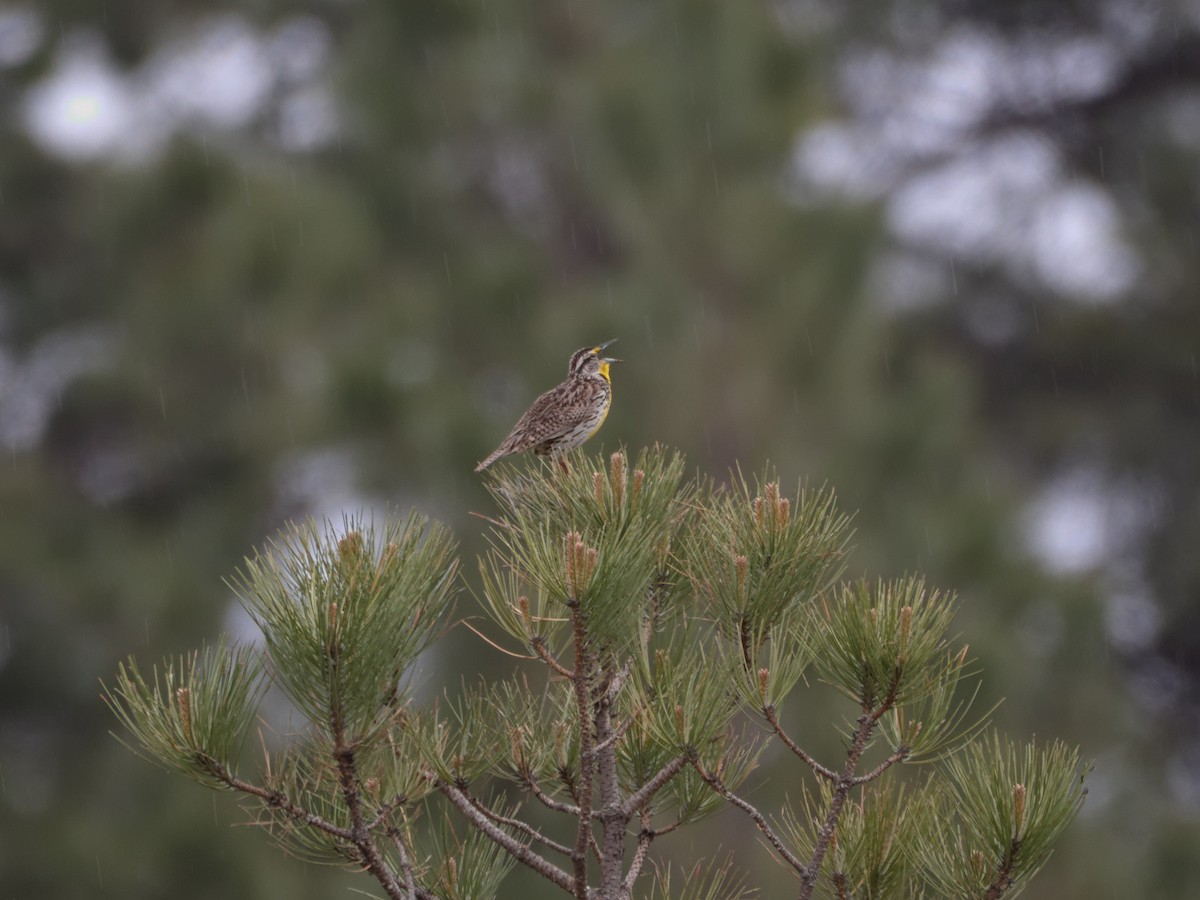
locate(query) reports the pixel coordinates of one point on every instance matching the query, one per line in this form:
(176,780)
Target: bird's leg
(566,469)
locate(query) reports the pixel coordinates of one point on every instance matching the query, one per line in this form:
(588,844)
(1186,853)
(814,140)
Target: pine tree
(659,619)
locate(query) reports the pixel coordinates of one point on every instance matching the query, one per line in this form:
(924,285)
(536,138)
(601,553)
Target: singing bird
(565,416)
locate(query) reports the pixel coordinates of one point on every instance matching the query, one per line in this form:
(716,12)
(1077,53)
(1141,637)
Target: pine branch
(520,852)
(615,735)
(744,633)
(667,829)
(1003,806)
(347,769)
(618,681)
(386,810)
(714,781)
(344,614)
(660,779)
(539,647)
(645,837)
(841,790)
(523,827)
(579,681)
(545,799)
(278,800)
(824,771)
(359,835)
(568,781)
(614,820)
(898,756)
(1004,877)
(839,885)
(406,868)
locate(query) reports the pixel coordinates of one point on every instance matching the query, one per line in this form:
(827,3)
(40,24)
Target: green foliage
(540,727)
(998,813)
(663,613)
(469,866)
(785,655)
(344,614)
(397,766)
(870,854)
(871,846)
(758,557)
(940,719)
(711,880)
(194,715)
(680,699)
(597,536)
(304,772)
(733,758)
(886,642)
(681,692)
(464,738)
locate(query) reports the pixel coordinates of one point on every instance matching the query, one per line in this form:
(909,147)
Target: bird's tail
(491,458)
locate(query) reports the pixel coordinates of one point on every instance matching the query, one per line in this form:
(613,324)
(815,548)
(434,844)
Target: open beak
(607,359)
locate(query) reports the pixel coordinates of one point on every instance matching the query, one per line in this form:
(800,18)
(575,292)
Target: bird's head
(588,361)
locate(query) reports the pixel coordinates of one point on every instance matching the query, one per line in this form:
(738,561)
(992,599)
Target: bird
(565,416)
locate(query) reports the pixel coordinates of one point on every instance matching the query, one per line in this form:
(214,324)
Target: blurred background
(263,260)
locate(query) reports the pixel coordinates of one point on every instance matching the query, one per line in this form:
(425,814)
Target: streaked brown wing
(554,413)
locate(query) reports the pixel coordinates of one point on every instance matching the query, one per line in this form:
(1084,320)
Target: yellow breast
(603,413)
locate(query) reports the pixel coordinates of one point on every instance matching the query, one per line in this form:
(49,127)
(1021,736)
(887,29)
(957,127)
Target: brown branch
(518,851)
(616,734)
(614,820)
(359,835)
(618,681)
(568,781)
(841,791)
(278,800)
(645,837)
(545,799)
(824,771)
(539,647)
(1004,876)
(747,650)
(661,778)
(893,692)
(523,827)
(386,810)
(714,782)
(898,756)
(594,845)
(567,777)
(406,867)
(579,680)
(667,829)
(343,754)
(843,784)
